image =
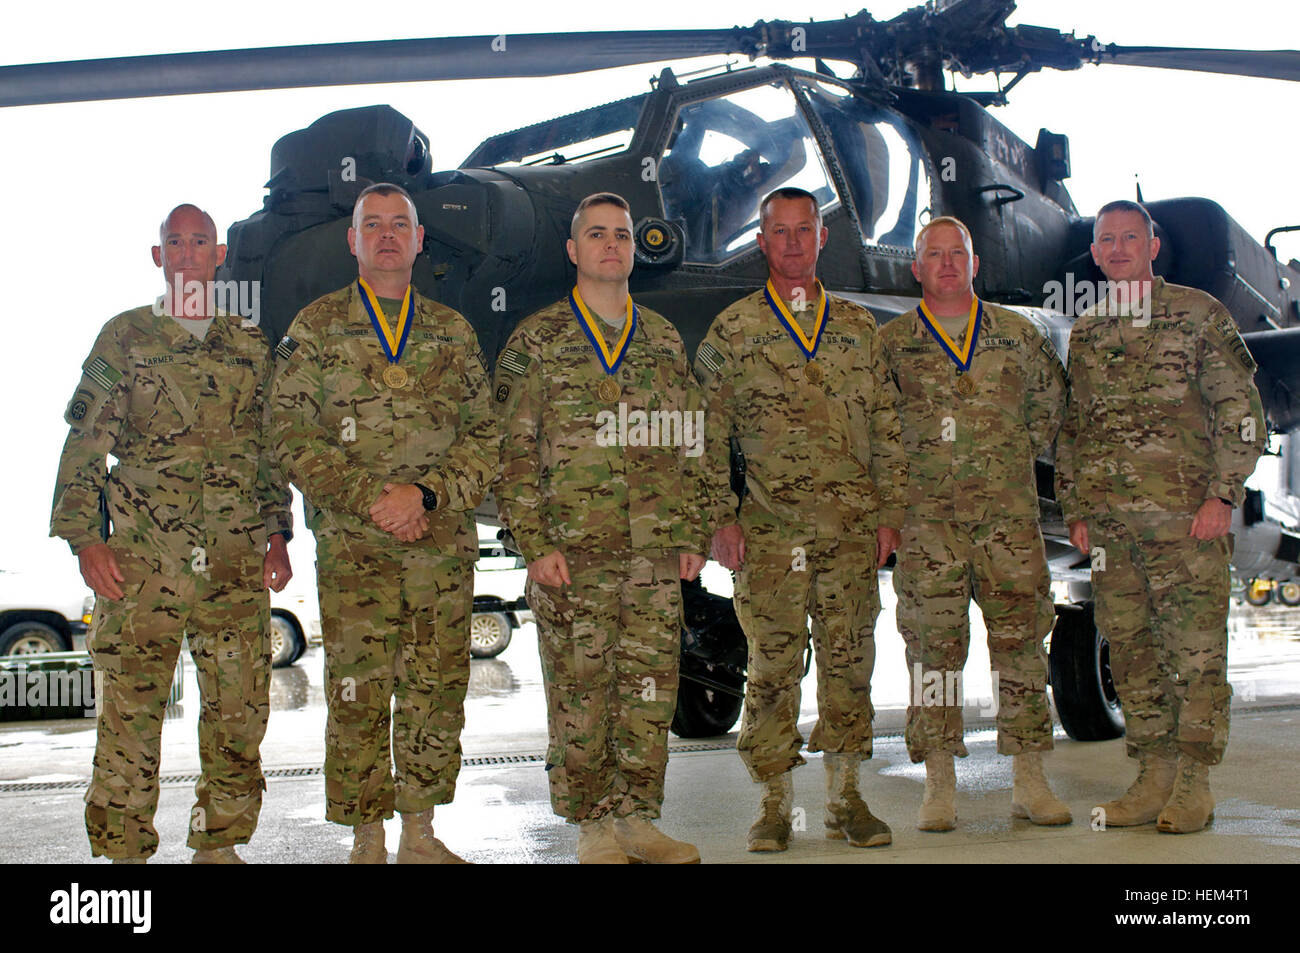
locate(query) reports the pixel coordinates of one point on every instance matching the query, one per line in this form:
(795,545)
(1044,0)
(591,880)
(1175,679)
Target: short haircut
(1124,205)
(600,198)
(788,192)
(950,220)
(383,188)
(207,219)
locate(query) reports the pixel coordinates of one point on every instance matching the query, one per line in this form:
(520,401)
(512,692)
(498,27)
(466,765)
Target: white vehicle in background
(499,606)
(49,611)
(41,612)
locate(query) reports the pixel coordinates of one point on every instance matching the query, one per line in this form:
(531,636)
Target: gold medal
(812,372)
(965,386)
(608,390)
(395,375)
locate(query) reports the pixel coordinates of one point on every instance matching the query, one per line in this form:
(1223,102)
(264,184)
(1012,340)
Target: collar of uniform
(357,313)
(177,338)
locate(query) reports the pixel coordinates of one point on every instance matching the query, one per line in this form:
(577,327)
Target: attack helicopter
(882,150)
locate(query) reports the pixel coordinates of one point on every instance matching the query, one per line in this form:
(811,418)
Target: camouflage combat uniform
(395,615)
(1161,417)
(620,515)
(825,469)
(972,524)
(192,500)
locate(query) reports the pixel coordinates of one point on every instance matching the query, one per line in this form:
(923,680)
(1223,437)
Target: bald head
(183,215)
(187,248)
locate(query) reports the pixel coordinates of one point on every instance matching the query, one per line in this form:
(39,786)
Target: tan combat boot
(938,807)
(597,843)
(645,843)
(771,831)
(216,855)
(847,815)
(1142,802)
(1191,806)
(368,844)
(130,860)
(419,846)
(1030,795)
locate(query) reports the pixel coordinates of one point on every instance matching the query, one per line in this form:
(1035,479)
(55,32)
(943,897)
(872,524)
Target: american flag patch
(102,373)
(286,347)
(708,356)
(514,361)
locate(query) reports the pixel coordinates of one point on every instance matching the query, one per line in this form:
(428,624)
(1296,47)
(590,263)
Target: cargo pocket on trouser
(230,644)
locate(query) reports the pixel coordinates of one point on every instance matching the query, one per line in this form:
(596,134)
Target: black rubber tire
(1288,593)
(30,636)
(704,712)
(489,634)
(1261,600)
(287,641)
(1082,686)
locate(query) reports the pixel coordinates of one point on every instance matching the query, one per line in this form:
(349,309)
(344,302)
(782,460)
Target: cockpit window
(725,155)
(882,159)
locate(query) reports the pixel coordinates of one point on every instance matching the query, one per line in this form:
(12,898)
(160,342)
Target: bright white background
(85,186)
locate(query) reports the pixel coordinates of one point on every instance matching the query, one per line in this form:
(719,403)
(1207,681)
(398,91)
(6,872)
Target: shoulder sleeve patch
(85,403)
(1223,333)
(98,371)
(710,357)
(284,350)
(514,362)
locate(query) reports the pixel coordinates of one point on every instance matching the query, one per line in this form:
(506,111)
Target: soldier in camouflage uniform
(381,416)
(797,377)
(1162,429)
(176,392)
(981,396)
(600,489)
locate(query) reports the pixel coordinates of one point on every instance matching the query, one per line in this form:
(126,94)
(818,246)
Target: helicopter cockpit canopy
(726,151)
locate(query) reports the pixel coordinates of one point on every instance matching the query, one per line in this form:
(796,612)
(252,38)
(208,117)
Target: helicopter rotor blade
(1267,64)
(342,64)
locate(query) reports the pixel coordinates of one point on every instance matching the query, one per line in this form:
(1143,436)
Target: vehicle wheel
(30,637)
(489,634)
(1082,686)
(1258,595)
(285,639)
(704,712)
(1288,593)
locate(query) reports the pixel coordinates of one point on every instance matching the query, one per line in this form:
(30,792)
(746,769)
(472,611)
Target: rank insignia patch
(284,350)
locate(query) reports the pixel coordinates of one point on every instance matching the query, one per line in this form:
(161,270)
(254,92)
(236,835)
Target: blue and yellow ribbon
(783,315)
(390,339)
(962,357)
(609,360)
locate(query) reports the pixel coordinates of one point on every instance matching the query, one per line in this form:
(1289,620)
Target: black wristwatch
(286,533)
(430,498)
(1226,502)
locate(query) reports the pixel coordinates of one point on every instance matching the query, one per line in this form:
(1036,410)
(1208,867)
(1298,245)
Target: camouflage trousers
(609,645)
(134,642)
(1162,601)
(784,580)
(1001,564)
(396,633)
